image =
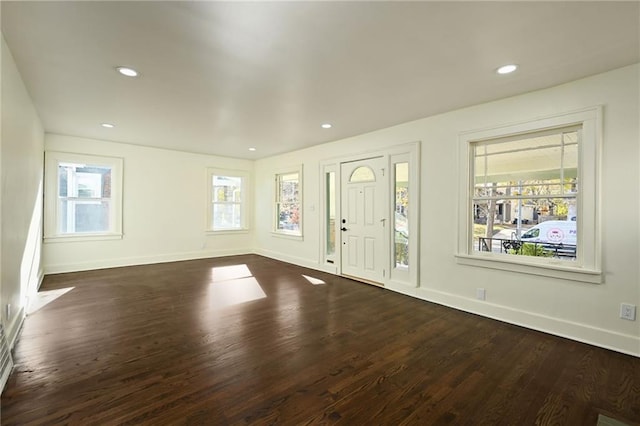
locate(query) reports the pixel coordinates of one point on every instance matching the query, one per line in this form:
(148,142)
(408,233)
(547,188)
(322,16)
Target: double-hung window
(530,199)
(288,203)
(83,196)
(227,209)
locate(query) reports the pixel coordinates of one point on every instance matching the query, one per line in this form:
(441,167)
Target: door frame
(401,279)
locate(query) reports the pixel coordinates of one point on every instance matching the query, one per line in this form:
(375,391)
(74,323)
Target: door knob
(343,229)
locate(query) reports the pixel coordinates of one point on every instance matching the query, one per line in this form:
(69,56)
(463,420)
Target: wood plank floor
(249,340)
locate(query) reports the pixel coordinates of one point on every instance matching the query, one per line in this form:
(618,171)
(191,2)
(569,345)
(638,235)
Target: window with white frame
(227,200)
(83,196)
(288,203)
(531,196)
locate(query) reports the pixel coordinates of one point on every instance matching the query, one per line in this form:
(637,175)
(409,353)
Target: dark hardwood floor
(249,340)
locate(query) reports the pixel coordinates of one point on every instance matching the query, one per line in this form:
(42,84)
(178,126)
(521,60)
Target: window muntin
(83,196)
(288,203)
(521,182)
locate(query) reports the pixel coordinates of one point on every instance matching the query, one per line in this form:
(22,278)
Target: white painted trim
(412,152)
(588,264)
(142,260)
(299,261)
(560,270)
(51,210)
(15,327)
(624,343)
(246,194)
(40,277)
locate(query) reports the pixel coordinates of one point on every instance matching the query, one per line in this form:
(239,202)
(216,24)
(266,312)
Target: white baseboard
(141,260)
(300,261)
(40,277)
(15,327)
(595,336)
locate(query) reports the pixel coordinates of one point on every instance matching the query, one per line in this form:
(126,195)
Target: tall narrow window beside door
(401,214)
(330,204)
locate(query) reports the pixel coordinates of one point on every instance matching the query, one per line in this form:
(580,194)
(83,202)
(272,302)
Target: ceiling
(221,77)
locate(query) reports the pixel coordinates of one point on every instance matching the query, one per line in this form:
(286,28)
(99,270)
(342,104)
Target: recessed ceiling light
(108,125)
(506,69)
(326,126)
(252,149)
(129,72)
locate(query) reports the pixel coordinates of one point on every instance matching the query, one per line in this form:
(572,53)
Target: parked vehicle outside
(552,232)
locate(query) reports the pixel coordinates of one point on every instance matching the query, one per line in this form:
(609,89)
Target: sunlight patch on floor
(232,285)
(234,292)
(232,272)
(314,281)
(43,298)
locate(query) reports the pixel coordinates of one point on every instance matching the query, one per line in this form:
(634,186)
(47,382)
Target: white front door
(363,219)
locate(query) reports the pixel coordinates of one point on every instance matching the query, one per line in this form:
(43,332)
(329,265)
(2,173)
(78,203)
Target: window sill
(554,270)
(81,237)
(288,236)
(226,231)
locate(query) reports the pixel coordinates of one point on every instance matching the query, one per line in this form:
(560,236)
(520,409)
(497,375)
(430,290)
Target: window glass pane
(288,203)
(288,188)
(527,187)
(402,214)
(227,188)
(80,216)
(362,174)
(331,213)
(288,217)
(81,181)
(227,216)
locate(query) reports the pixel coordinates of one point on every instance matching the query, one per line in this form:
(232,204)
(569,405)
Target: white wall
(21,170)
(582,311)
(164,209)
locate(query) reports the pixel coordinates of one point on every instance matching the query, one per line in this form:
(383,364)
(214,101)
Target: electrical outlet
(481,294)
(628,311)
(8,310)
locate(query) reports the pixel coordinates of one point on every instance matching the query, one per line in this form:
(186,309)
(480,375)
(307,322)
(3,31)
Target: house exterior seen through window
(288,205)
(529,201)
(227,200)
(83,196)
(525,193)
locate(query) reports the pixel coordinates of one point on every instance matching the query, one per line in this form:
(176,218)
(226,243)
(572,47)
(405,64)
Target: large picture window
(83,196)
(525,194)
(227,205)
(530,201)
(288,203)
